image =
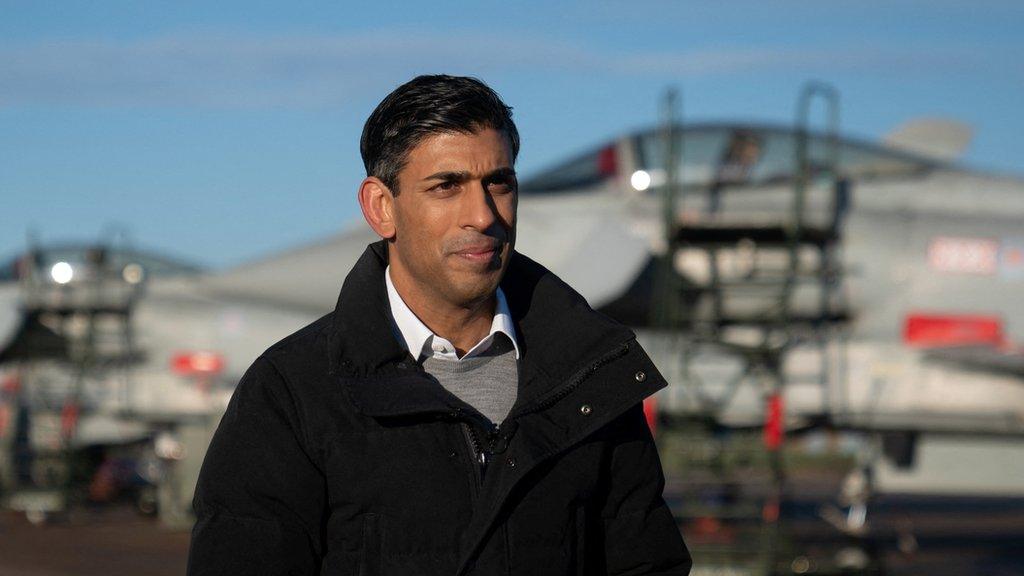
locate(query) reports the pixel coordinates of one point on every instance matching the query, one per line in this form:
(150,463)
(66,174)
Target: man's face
(455,216)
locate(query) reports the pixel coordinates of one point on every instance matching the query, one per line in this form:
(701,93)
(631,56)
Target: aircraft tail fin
(938,138)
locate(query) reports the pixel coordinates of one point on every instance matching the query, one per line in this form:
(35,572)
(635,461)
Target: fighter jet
(768,268)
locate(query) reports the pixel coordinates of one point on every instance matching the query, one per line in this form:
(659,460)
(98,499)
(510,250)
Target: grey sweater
(487,382)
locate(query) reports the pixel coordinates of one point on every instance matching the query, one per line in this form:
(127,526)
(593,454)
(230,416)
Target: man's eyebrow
(450,176)
(463,175)
(502,172)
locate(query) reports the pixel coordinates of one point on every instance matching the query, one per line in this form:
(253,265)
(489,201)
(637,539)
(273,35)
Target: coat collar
(362,343)
(558,335)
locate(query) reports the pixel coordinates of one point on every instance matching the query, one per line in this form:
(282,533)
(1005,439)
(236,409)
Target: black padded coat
(339,455)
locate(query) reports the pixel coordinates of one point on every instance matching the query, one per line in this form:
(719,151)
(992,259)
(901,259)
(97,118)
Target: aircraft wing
(984,358)
(594,248)
(306,278)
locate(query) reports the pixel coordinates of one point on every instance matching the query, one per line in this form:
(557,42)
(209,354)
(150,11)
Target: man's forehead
(481,143)
(486,149)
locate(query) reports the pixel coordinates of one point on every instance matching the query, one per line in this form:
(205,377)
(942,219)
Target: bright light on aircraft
(61,272)
(133,273)
(640,180)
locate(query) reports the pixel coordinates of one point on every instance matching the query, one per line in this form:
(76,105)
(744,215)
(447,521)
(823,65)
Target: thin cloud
(247,72)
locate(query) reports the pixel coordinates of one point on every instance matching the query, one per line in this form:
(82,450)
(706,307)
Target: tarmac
(979,536)
(107,541)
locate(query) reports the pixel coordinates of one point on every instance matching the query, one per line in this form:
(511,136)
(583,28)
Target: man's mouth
(482,252)
(478,254)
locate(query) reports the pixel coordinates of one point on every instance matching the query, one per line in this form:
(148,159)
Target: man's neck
(462,325)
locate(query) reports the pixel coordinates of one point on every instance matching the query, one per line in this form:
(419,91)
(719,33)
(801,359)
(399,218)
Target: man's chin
(474,288)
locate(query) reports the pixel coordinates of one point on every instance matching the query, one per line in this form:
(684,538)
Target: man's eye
(501,186)
(447,186)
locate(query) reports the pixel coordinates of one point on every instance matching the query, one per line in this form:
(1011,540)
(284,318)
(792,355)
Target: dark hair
(424,106)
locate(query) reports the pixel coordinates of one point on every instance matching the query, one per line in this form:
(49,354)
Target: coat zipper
(479,456)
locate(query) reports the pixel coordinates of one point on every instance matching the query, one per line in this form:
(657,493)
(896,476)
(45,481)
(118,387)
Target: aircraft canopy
(728,154)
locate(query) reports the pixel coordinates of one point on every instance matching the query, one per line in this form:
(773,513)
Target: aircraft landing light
(640,180)
(61,272)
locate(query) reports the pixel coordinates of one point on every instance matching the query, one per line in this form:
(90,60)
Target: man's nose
(477,208)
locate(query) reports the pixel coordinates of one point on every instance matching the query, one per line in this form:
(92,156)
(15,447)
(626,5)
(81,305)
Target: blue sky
(220,131)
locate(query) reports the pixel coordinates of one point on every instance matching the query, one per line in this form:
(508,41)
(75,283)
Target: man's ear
(378,206)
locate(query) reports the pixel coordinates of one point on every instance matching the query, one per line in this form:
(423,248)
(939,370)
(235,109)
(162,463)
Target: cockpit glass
(759,156)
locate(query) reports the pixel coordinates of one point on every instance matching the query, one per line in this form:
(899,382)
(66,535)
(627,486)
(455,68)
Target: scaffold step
(68,310)
(758,284)
(720,234)
(834,316)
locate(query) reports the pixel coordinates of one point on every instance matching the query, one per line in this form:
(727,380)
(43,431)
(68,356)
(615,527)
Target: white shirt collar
(421,342)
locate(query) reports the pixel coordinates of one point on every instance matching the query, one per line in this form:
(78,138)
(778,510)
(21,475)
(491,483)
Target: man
(462,411)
